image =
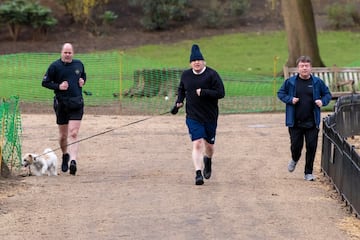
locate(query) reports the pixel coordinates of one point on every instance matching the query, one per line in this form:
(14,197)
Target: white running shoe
(309,177)
(292,165)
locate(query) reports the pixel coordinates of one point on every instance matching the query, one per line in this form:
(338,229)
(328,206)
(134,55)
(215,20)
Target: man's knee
(74,132)
(209,149)
(197,144)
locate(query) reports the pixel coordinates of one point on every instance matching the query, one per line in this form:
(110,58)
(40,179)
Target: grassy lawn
(245,61)
(252,52)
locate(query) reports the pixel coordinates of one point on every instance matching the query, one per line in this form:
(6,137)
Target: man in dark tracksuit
(202,87)
(66,76)
(304,95)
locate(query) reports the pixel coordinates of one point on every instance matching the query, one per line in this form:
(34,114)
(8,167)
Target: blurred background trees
(301,19)
(18,14)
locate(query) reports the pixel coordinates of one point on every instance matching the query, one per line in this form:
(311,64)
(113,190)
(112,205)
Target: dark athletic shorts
(199,130)
(63,114)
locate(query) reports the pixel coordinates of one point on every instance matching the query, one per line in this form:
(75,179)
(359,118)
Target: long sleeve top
(59,72)
(288,91)
(203,108)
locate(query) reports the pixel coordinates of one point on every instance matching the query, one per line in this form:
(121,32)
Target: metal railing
(340,161)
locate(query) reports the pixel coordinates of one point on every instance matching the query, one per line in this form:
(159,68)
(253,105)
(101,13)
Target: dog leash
(104,132)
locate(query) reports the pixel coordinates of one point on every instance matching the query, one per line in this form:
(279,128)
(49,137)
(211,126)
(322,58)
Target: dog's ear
(30,156)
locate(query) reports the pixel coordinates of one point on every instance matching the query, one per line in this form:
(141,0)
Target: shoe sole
(199,182)
(291,170)
(310,179)
(72,169)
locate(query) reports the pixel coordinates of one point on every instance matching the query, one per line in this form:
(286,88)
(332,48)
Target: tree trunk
(301,31)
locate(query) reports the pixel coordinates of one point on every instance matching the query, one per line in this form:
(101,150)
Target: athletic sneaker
(72,167)
(207,167)
(309,177)
(292,165)
(65,162)
(199,180)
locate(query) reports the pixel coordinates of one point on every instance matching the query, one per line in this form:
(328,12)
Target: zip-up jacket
(288,91)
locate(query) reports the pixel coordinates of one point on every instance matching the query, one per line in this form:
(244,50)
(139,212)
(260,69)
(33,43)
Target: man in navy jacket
(304,95)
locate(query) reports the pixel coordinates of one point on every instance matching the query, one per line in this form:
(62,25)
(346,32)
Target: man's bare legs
(197,154)
(209,151)
(68,134)
(74,127)
(201,154)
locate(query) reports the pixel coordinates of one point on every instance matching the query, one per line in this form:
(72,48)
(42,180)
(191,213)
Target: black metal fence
(340,161)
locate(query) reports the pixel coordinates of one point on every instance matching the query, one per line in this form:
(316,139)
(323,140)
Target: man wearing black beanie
(202,87)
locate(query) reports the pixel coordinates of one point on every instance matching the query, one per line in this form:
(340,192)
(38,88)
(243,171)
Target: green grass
(252,53)
(245,61)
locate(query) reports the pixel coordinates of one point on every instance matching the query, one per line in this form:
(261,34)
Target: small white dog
(41,164)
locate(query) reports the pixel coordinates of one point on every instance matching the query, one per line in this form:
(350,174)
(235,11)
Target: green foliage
(13,14)
(239,7)
(19,13)
(213,18)
(81,11)
(218,11)
(158,14)
(108,17)
(252,53)
(40,16)
(40,19)
(342,15)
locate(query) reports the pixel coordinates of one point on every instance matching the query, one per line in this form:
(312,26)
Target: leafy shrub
(108,17)
(20,13)
(40,19)
(81,10)
(342,15)
(239,7)
(158,14)
(212,18)
(219,11)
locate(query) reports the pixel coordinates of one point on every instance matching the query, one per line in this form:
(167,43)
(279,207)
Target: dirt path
(137,182)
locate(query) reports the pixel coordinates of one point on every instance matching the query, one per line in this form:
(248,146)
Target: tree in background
(81,11)
(12,14)
(20,13)
(301,31)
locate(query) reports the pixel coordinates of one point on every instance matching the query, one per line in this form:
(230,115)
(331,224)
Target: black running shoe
(199,180)
(207,167)
(65,162)
(73,167)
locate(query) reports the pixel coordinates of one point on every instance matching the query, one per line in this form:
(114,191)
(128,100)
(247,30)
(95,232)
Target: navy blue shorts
(199,130)
(63,114)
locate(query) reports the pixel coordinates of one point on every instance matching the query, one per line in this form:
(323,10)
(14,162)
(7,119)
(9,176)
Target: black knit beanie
(195,53)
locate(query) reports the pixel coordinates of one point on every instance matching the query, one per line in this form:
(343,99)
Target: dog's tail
(48,150)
